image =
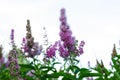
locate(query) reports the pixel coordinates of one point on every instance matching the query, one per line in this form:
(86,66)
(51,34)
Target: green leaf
(64,78)
(82,75)
(118,56)
(117,75)
(56,63)
(107,73)
(98,69)
(75,69)
(84,70)
(114,61)
(115,65)
(26,66)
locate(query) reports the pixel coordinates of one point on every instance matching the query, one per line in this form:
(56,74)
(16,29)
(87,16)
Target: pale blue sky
(96,22)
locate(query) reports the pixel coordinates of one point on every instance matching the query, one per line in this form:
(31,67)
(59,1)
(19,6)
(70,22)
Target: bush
(24,62)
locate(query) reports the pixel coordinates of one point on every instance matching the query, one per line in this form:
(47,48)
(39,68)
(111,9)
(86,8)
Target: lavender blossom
(69,42)
(81,47)
(13,63)
(82,43)
(28,44)
(66,33)
(35,50)
(50,53)
(24,47)
(63,52)
(12,36)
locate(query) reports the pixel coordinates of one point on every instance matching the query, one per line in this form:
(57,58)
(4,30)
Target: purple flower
(68,45)
(28,44)
(81,50)
(24,47)
(63,52)
(89,78)
(65,35)
(12,36)
(35,50)
(63,18)
(23,41)
(50,53)
(81,47)
(12,31)
(82,43)
(65,32)
(64,27)
(12,63)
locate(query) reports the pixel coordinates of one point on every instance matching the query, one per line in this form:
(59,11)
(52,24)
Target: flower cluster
(12,36)
(66,33)
(81,47)
(50,52)
(12,62)
(69,42)
(28,44)
(63,52)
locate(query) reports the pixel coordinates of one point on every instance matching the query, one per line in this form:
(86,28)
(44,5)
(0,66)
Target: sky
(96,22)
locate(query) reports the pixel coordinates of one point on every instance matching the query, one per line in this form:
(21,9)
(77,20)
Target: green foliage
(72,72)
(4,73)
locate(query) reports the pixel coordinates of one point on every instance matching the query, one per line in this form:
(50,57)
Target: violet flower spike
(63,52)
(23,41)
(81,47)
(12,36)
(69,43)
(82,43)
(12,63)
(63,18)
(50,53)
